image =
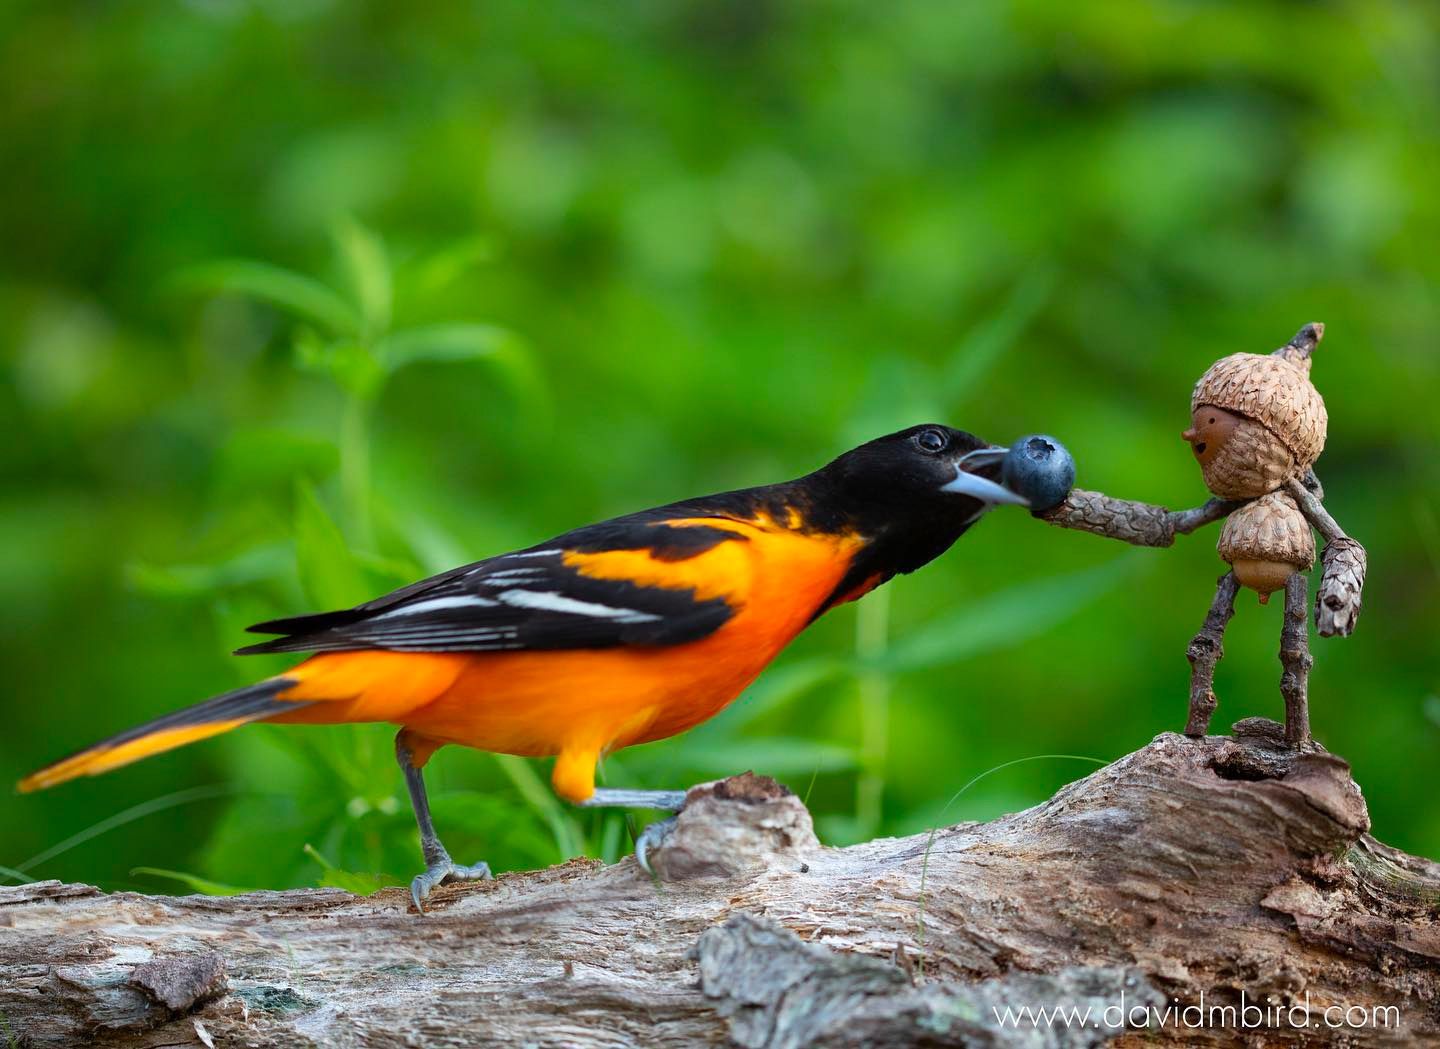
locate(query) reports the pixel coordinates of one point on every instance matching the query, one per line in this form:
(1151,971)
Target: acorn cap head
(1274,391)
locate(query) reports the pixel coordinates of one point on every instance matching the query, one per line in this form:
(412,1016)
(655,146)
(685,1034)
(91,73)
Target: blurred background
(301,300)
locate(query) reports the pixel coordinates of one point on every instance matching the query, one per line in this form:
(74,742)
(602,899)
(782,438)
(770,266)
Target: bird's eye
(931,440)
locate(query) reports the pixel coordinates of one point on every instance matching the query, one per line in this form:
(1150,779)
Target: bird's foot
(651,838)
(442,872)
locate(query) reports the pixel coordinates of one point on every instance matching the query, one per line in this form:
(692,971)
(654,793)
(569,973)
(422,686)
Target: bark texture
(1218,866)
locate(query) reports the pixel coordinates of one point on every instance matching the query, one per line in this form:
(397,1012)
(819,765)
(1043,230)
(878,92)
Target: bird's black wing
(531,599)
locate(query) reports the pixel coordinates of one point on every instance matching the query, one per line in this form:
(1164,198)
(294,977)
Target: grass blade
(130,815)
(335,878)
(568,839)
(204,886)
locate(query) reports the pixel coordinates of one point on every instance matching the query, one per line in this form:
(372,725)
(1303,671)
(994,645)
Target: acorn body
(1266,542)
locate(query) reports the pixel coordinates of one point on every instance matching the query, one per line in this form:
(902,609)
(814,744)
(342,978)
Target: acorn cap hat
(1274,390)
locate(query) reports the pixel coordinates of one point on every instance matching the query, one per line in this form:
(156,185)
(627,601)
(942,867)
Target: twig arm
(1314,510)
(1141,524)
(1343,565)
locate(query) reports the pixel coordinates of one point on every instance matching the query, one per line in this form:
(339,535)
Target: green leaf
(1005,618)
(351,881)
(363,255)
(1432,708)
(450,342)
(442,268)
(304,297)
(329,573)
(204,886)
(498,348)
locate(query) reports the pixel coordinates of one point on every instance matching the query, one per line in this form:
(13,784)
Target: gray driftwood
(1223,865)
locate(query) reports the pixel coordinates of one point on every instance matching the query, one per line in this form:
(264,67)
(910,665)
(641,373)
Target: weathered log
(1190,871)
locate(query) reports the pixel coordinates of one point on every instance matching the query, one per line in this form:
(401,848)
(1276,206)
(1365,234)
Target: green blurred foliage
(300,300)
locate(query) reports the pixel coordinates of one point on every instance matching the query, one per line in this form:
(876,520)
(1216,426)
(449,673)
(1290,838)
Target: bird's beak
(969,482)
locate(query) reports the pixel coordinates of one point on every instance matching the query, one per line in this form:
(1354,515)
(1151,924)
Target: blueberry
(1041,469)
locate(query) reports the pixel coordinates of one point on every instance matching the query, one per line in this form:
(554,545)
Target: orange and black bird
(617,633)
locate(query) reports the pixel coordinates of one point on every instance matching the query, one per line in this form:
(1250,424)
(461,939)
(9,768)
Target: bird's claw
(652,837)
(442,872)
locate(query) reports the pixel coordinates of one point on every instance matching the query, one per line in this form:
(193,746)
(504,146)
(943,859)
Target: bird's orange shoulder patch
(723,570)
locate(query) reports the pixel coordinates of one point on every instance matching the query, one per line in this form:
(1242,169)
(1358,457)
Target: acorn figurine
(1257,421)
(1257,426)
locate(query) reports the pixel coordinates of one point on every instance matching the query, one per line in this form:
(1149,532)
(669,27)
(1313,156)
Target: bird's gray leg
(655,833)
(623,798)
(439,868)
(1205,651)
(1296,660)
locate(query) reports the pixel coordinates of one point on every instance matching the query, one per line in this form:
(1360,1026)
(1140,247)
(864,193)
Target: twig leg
(1296,660)
(1205,651)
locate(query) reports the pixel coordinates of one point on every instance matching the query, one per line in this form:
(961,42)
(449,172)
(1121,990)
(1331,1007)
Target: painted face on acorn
(1210,429)
(1239,457)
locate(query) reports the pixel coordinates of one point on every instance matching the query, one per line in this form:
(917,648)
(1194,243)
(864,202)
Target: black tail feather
(251,703)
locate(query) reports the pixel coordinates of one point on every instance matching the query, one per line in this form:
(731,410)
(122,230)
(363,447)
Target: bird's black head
(918,489)
(930,467)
